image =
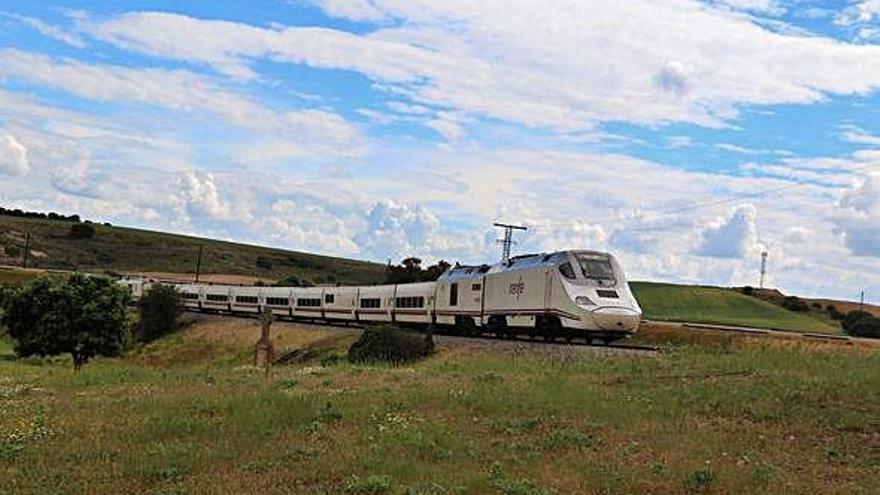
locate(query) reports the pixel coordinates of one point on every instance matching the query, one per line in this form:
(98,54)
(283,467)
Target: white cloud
(735,236)
(397,230)
(857,135)
(360,10)
(566,67)
(48,30)
(307,224)
(858,216)
(862,11)
(13,156)
(202,197)
(315,131)
(75,177)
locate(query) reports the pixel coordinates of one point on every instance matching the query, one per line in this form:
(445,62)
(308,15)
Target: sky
(685,136)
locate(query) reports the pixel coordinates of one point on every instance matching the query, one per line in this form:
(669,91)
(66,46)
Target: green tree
(80,315)
(159,310)
(854,317)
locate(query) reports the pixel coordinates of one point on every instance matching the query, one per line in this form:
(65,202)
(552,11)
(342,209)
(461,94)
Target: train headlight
(584,301)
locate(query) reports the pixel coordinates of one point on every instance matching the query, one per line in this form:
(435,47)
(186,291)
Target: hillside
(120,249)
(690,303)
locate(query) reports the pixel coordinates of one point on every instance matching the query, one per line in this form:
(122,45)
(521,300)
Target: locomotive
(564,294)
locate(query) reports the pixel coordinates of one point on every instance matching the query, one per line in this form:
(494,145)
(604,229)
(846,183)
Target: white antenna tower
(507,241)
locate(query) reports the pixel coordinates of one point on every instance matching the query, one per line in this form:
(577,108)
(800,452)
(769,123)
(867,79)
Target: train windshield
(595,267)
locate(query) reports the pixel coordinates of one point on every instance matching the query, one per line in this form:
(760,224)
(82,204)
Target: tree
(80,315)
(159,310)
(410,271)
(434,271)
(82,231)
(854,317)
(866,327)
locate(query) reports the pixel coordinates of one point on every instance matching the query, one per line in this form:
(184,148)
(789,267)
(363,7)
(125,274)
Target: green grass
(121,249)
(739,418)
(668,302)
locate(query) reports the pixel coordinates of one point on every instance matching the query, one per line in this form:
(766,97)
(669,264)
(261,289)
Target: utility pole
(199,263)
(27,249)
(763,269)
(508,239)
(861,306)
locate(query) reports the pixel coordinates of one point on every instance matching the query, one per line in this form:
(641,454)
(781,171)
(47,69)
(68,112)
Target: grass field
(689,303)
(186,415)
(124,249)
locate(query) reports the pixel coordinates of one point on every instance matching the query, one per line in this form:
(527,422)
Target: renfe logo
(517,288)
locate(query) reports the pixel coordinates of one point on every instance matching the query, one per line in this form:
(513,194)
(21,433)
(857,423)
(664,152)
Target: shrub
(833,313)
(387,343)
(854,317)
(82,231)
(748,290)
(793,303)
(264,263)
(294,281)
(867,327)
(159,310)
(12,251)
(80,315)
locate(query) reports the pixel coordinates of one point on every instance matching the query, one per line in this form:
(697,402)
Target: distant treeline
(42,216)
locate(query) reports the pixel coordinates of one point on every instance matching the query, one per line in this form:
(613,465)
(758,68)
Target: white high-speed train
(563,294)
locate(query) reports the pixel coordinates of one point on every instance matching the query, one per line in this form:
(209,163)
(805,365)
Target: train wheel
(498,326)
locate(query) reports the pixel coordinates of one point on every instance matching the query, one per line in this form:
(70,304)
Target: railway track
(458,340)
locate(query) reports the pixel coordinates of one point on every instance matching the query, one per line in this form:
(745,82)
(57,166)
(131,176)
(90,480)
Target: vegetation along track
(512,344)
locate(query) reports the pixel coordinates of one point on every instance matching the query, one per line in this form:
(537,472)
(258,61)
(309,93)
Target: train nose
(622,319)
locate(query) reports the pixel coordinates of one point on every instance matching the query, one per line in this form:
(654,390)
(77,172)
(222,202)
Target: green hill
(120,249)
(690,303)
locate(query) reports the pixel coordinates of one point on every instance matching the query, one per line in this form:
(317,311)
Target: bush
(294,281)
(82,231)
(833,313)
(868,327)
(854,317)
(793,303)
(389,344)
(12,251)
(80,315)
(159,310)
(748,290)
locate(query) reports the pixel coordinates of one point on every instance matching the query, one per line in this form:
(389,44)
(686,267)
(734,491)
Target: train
(565,294)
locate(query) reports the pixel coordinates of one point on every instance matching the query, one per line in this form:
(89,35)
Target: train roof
(516,263)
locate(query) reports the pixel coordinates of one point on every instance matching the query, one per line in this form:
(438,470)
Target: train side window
(476,287)
(453,295)
(371,303)
(329,298)
(567,270)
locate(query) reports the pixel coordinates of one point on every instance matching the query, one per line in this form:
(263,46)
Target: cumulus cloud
(202,196)
(397,230)
(75,178)
(735,236)
(304,223)
(13,156)
(858,216)
(527,63)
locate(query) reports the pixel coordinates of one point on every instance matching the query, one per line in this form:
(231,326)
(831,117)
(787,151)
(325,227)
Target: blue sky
(686,137)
